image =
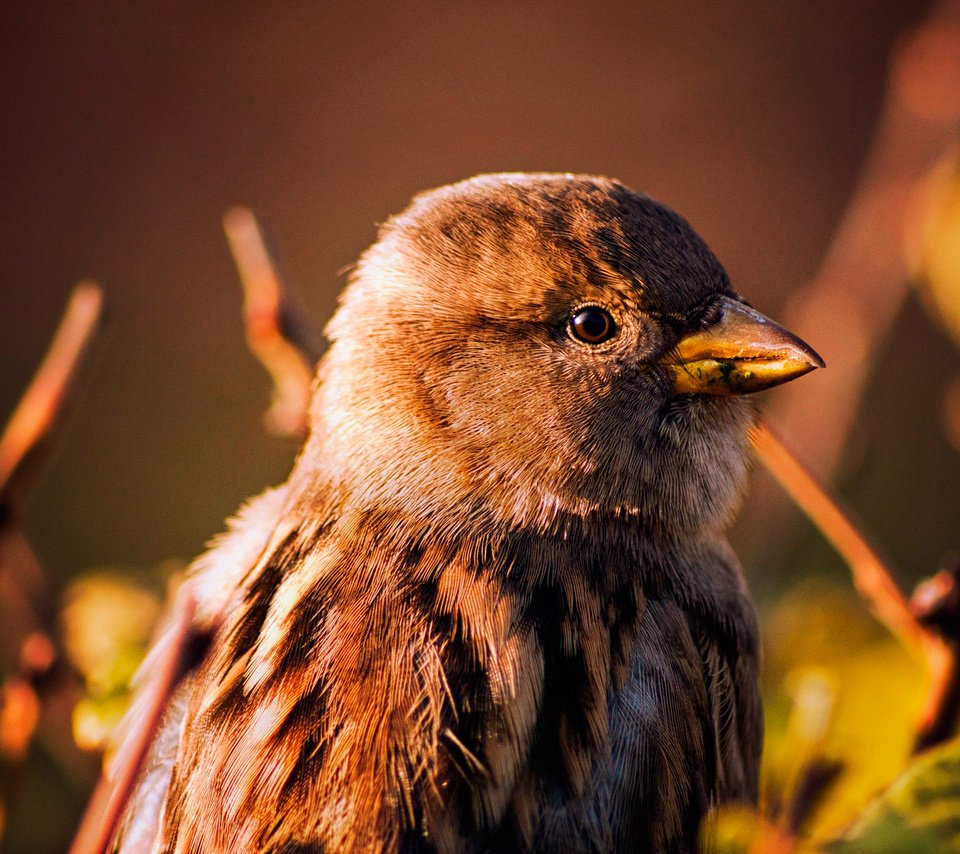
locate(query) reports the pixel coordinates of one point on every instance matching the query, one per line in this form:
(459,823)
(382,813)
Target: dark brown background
(129,128)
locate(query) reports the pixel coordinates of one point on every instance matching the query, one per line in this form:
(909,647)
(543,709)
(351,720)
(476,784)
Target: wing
(324,714)
(722,636)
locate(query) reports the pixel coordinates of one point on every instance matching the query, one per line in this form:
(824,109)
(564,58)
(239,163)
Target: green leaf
(918,813)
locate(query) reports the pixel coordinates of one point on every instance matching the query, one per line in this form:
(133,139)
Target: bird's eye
(592,325)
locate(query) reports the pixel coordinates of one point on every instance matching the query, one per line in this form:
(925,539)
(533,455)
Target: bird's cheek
(495,406)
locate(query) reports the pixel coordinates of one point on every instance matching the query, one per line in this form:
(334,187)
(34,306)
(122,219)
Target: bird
(493,608)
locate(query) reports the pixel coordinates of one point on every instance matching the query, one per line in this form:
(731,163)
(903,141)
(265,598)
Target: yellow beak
(743,352)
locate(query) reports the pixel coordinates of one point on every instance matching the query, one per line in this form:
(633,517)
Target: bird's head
(534,348)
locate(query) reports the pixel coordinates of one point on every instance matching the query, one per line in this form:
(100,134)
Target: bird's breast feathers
(390,687)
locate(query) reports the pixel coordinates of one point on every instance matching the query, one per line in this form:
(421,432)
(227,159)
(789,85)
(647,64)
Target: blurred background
(130,128)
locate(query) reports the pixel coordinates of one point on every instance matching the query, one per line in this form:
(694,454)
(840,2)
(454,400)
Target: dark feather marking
(305,720)
(675,789)
(259,596)
(614,250)
(297,848)
(413,841)
(624,613)
(586,267)
(712,767)
(565,689)
(306,624)
(462,668)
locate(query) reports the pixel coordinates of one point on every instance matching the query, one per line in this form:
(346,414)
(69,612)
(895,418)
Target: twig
(872,576)
(26,436)
(113,791)
(23,589)
(42,405)
(22,584)
(937,641)
(847,310)
(277,332)
(936,604)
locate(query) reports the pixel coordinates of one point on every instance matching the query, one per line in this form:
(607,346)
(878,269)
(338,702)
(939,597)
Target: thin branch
(847,310)
(171,659)
(872,576)
(936,604)
(278,334)
(928,624)
(27,434)
(23,587)
(42,405)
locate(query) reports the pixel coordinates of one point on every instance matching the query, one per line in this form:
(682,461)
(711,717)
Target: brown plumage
(492,609)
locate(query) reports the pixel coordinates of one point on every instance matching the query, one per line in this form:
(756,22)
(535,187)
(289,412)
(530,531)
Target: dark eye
(592,325)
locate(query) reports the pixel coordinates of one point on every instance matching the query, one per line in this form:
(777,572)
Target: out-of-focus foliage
(938,259)
(107,621)
(821,646)
(733,830)
(920,812)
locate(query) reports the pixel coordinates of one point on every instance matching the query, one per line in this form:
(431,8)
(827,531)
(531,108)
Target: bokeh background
(128,129)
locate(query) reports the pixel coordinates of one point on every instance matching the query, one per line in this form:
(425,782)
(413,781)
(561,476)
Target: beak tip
(816,360)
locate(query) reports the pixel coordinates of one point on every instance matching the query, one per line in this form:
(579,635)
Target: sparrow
(492,608)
